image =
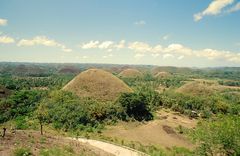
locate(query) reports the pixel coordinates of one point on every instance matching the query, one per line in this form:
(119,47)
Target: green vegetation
(136,106)
(67,151)
(21,103)
(22,152)
(218,136)
(35,97)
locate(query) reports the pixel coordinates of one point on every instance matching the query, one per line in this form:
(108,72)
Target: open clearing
(161,131)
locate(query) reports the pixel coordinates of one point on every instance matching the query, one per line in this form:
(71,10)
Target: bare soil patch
(161,131)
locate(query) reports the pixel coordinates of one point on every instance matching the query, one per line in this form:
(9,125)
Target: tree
(42,115)
(135,106)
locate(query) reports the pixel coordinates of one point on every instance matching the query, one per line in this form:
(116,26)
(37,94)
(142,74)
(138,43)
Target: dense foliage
(67,111)
(27,83)
(136,106)
(218,136)
(21,103)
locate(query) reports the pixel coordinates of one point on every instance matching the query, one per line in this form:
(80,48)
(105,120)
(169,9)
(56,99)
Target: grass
(97,84)
(56,151)
(43,140)
(130,73)
(22,151)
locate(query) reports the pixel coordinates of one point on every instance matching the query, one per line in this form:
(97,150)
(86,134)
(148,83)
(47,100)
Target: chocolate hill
(97,84)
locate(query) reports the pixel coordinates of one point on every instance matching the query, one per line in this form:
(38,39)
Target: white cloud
(141,22)
(234,8)
(105,45)
(178,48)
(107,56)
(108,45)
(3,22)
(43,40)
(166,37)
(166,56)
(213,54)
(66,49)
(6,39)
(121,44)
(214,8)
(180,51)
(139,47)
(155,55)
(173,50)
(157,49)
(180,57)
(139,55)
(81,57)
(90,45)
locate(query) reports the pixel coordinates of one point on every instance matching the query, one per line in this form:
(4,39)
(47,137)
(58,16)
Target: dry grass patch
(161,131)
(130,73)
(199,87)
(98,84)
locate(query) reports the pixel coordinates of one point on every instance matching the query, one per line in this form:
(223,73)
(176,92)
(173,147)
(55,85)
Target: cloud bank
(174,50)
(6,39)
(43,40)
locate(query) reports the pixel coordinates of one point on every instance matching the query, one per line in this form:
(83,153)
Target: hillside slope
(130,73)
(98,84)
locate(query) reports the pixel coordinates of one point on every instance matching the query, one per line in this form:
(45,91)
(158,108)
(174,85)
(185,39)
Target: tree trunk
(41,129)
(4,132)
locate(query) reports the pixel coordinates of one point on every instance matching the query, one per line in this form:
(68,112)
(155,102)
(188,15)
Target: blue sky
(160,32)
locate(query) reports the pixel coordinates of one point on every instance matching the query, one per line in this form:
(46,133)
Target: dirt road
(111,148)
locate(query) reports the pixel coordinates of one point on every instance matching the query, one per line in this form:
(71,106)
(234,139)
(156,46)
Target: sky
(189,33)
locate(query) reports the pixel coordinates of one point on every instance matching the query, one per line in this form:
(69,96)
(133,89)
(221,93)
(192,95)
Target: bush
(136,106)
(22,152)
(21,123)
(67,111)
(218,136)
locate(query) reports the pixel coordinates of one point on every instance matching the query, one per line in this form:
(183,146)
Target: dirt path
(111,148)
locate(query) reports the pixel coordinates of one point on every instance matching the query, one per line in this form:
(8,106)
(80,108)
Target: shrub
(135,106)
(218,136)
(22,152)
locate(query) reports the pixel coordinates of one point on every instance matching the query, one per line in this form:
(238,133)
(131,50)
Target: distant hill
(130,73)
(171,69)
(162,74)
(69,70)
(97,84)
(200,87)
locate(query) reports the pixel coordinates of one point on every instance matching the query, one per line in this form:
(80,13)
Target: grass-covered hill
(130,73)
(97,84)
